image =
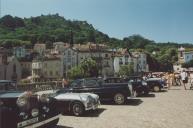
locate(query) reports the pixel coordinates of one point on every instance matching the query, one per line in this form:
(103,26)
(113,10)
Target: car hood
(11,94)
(74,96)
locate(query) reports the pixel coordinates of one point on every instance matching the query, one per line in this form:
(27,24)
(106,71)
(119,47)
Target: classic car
(75,103)
(19,109)
(139,85)
(156,84)
(117,92)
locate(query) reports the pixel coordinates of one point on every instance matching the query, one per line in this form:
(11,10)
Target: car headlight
(44,98)
(34,112)
(46,109)
(23,115)
(144,83)
(22,101)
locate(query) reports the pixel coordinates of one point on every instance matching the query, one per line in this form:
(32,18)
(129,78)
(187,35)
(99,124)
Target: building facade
(52,68)
(40,48)
(47,69)
(124,57)
(121,57)
(26,67)
(13,71)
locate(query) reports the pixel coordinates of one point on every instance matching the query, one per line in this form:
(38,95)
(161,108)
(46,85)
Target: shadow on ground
(91,113)
(174,89)
(148,95)
(133,102)
(165,90)
(60,126)
(94,113)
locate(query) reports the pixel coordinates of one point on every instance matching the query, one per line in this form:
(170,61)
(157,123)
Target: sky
(158,20)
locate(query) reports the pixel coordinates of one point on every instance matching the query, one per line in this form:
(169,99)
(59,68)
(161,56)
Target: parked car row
(20,109)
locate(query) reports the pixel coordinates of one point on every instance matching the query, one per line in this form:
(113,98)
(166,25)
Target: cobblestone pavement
(167,109)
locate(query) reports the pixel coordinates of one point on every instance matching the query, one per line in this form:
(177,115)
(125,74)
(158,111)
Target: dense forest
(15,31)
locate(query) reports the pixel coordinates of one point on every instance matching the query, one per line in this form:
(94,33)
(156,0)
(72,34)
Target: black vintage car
(139,85)
(20,109)
(117,92)
(156,84)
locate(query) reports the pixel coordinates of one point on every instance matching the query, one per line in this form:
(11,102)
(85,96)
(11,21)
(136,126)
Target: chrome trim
(93,107)
(43,122)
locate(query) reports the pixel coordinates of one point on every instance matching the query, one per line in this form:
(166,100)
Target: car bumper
(93,107)
(43,122)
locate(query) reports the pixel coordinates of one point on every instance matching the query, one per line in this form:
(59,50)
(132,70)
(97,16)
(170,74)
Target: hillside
(15,31)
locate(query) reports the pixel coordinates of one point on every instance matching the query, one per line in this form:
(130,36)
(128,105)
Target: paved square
(167,109)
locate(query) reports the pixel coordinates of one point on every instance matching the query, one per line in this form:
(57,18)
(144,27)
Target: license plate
(27,122)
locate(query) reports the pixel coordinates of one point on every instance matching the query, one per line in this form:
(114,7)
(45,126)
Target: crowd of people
(182,78)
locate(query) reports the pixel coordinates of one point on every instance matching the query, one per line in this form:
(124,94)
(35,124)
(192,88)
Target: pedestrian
(184,78)
(64,82)
(171,80)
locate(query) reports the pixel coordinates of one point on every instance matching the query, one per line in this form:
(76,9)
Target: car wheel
(156,88)
(119,98)
(77,109)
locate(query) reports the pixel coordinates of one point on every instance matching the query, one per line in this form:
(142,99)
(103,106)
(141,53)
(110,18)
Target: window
(57,73)
(69,53)
(77,83)
(51,73)
(91,83)
(120,61)
(14,68)
(45,64)
(106,55)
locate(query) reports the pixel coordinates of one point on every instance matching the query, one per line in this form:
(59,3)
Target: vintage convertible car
(20,109)
(75,103)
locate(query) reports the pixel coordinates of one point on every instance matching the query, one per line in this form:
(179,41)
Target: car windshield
(7,86)
(76,83)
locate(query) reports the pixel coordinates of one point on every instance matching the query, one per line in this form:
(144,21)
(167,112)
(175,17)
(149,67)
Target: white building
(184,55)
(73,56)
(140,62)
(124,57)
(70,59)
(121,57)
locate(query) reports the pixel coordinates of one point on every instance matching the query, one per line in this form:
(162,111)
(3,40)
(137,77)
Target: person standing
(184,78)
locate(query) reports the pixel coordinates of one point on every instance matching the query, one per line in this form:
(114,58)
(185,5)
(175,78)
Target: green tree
(89,67)
(75,72)
(126,70)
